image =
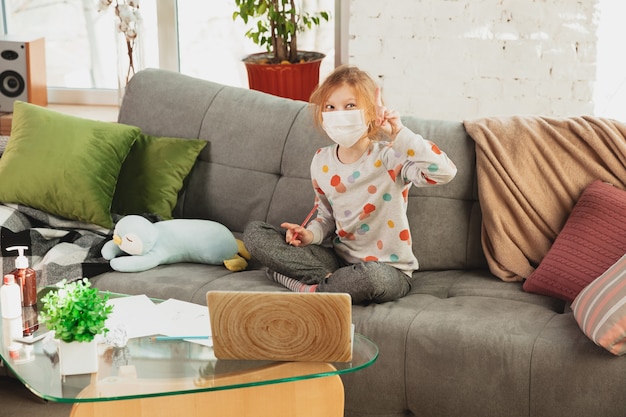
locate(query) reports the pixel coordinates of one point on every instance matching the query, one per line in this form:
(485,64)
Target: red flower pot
(295,81)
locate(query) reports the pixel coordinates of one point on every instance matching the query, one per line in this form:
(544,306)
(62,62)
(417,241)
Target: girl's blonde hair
(364,88)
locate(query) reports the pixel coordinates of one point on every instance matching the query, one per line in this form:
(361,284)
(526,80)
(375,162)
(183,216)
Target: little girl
(361,190)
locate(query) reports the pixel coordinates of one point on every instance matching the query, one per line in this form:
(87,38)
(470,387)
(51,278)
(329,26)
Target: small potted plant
(283,70)
(77,313)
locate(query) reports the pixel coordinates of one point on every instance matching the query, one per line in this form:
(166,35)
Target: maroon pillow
(592,239)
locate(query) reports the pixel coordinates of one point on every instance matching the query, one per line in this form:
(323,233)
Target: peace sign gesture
(388,120)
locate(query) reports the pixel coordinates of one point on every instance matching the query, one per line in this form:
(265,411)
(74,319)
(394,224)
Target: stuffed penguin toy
(171,241)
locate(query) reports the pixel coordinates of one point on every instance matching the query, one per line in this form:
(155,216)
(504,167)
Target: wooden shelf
(103,113)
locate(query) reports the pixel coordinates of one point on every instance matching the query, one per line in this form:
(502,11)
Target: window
(196,37)
(610,88)
(212,44)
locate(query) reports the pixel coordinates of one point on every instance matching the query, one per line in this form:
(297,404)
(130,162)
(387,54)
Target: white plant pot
(78,357)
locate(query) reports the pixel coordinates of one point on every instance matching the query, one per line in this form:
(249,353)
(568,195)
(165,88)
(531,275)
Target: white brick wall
(464,59)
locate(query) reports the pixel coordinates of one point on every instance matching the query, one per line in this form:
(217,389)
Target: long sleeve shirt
(363,204)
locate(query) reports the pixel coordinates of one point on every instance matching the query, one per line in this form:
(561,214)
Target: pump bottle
(26,278)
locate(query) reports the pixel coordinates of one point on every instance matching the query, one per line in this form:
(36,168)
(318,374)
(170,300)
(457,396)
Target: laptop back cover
(282,326)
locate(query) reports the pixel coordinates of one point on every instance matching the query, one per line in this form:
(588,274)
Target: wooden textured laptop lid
(282,326)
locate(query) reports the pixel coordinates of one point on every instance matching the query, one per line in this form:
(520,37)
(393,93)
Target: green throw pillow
(63,165)
(153,174)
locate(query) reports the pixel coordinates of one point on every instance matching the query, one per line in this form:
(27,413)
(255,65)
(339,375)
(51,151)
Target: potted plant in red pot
(283,70)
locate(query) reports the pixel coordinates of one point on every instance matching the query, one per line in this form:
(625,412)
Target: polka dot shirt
(363,204)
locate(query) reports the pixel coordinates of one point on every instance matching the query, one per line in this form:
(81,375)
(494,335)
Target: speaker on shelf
(22,72)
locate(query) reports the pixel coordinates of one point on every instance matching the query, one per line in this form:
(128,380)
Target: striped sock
(291,283)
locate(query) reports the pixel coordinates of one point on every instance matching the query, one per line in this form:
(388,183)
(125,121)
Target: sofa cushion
(63,165)
(600,309)
(592,239)
(153,174)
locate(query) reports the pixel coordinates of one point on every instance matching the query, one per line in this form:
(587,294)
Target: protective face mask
(344,127)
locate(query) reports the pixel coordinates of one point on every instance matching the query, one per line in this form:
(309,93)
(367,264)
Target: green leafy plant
(75,311)
(278,25)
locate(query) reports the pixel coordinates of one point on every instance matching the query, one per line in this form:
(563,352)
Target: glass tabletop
(149,368)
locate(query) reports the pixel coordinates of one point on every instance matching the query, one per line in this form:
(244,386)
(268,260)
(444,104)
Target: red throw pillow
(592,239)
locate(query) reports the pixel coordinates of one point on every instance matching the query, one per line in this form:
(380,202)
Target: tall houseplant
(292,73)
(77,313)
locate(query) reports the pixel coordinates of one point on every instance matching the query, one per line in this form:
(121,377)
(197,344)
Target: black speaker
(22,72)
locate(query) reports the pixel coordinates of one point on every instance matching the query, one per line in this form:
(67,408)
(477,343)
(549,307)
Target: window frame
(169,57)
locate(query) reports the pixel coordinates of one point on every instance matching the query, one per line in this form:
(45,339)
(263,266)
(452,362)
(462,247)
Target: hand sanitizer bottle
(26,278)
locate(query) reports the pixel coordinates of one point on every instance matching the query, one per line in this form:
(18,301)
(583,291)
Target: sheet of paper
(136,314)
(141,317)
(182,318)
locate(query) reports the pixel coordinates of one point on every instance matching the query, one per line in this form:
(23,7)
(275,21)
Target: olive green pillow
(62,164)
(153,174)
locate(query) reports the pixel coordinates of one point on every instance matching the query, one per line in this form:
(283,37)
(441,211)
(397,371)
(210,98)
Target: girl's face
(343,98)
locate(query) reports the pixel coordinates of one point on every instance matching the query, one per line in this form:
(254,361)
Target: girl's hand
(388,120)
(297,235)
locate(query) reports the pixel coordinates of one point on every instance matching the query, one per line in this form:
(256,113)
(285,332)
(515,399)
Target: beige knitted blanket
(531,171)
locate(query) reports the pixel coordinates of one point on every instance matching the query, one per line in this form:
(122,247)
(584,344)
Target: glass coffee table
(166,378)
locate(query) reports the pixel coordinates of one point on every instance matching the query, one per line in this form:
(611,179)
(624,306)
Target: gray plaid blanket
(57,248)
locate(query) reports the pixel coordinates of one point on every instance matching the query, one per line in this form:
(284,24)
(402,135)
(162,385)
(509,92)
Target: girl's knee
(253,227)
(368,282)
(257,229)
(255,235)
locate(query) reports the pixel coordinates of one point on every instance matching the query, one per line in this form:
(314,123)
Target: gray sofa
(462,343)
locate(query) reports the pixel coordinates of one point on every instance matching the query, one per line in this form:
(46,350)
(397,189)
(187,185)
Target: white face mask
(344,127)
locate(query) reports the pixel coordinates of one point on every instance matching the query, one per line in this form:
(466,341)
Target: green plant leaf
(75,311)
(277,24)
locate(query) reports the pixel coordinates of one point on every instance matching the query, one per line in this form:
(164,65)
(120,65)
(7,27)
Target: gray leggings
(366,281)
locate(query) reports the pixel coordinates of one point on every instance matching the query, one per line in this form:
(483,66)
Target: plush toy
(171,241)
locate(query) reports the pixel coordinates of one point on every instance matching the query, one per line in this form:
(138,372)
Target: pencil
(313,210)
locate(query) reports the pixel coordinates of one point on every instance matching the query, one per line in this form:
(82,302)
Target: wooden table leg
(317,397)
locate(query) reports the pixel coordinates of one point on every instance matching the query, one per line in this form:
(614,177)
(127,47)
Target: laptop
(281,326)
